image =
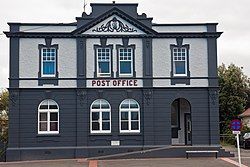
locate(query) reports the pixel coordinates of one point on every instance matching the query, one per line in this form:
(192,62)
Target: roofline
(184,24)
(72,35)
(109,13)
(74,24)
(42,24)
(114,3)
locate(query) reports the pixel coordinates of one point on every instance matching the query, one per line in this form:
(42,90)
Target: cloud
(4,73)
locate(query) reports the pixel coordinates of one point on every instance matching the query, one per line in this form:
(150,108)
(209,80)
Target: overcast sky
(232,16)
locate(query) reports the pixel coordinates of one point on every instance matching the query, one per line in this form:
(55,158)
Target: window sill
(180,76)
(100,134)
(48,135)
(48,77)
(125,76)
(103,76)
(129,134)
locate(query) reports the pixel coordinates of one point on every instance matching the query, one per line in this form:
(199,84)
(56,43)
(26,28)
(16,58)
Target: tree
(4,100)
(4,109)
(248,100)
(233,94)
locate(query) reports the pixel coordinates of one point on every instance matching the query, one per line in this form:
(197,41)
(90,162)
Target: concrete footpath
(161,162)
(155,162)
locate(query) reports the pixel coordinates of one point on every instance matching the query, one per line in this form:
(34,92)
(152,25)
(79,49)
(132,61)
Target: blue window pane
(103,67)
(48,68)
(134,116)
(133,104)
(95,126)
(125,67)
(124,116)
(104,105)
(95,116)
(105,126)
(105,115)
(135,125)
(124,126)
(125,104)
(180,67)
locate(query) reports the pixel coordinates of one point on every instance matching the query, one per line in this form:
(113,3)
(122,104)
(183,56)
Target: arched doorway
(181,124)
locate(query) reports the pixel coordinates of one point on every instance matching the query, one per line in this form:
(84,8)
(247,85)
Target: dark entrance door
(188,129)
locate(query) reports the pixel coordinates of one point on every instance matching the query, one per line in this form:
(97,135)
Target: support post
(238,146)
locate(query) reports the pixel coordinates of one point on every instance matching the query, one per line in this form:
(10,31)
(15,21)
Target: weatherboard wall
(74,131)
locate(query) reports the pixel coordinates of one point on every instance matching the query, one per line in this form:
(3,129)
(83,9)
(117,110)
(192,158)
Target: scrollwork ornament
(148,95)
(213,96)
(82,95)
(114,25)
(13,98)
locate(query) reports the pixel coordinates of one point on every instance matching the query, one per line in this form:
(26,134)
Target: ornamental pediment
(114,25)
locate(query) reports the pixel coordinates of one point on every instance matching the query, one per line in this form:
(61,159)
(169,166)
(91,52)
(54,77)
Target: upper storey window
(125,62)
(104,62)
(180,61)
(48,62)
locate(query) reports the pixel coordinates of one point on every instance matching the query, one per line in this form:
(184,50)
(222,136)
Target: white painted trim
(131,61)
(97,65)
(129,117)
(48,111)
(100,121)
(48,75)
(174,73)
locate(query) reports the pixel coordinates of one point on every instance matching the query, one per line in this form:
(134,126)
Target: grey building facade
(111,82)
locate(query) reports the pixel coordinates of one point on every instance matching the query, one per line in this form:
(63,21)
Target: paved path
(159,162)
(167,162)
(156,162)
(245,154)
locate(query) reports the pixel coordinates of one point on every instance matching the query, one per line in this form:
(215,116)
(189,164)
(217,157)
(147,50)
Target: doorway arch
(181,124)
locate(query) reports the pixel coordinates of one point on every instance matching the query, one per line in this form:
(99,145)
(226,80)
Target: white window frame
(42,51)
(103,60)
(174,67)
(131,61)
(100,121)
(129,110)
(48,111)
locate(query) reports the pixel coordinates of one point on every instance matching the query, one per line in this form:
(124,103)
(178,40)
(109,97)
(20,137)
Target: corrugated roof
(245,113)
